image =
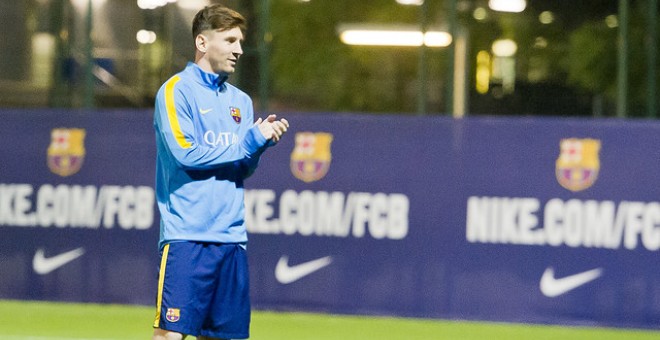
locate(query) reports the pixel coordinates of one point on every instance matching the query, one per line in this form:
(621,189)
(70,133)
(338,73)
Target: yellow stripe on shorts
(161,281)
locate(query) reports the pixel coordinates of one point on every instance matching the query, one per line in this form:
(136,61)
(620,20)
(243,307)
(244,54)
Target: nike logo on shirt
(286,274)
(43,265)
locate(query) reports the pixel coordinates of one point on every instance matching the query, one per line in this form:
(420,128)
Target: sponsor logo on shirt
(220,138)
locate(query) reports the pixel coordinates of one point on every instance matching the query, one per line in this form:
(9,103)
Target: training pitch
(21,320)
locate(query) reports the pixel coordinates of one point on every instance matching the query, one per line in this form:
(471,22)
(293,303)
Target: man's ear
(201,43)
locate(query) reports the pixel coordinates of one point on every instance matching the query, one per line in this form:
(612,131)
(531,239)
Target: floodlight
(392,36)
(515,6)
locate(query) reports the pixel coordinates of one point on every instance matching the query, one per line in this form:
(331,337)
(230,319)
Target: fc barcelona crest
(310,159)
(173,314)
(578,163)
(66,151)
(235,114)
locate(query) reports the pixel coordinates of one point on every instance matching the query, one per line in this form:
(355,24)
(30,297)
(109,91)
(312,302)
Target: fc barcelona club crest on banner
(235,114)
(310,159)
(578,163)
(66,151)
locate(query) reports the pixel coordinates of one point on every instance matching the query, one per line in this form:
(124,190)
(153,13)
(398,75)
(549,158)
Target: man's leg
(206,338)
(161,334)
(184,293)
(229,317)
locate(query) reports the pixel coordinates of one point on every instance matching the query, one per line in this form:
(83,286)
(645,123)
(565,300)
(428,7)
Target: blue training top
(207,144)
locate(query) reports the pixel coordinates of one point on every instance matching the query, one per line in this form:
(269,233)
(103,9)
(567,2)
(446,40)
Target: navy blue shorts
(203,289)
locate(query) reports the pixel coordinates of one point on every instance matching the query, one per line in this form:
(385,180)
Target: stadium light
(410,2)
(546,17)
(146,37)
(514,6)
(153,4)
(504,48)
(395,36)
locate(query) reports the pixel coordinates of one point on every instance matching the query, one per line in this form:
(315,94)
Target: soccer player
(207,145)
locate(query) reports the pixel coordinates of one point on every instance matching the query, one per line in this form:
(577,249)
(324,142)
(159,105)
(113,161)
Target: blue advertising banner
(525,220)
(538,220)
(77,208)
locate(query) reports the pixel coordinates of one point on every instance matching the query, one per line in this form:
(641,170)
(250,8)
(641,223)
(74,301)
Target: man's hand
(271,128)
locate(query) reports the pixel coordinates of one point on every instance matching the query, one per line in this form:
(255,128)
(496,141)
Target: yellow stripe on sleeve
(171,113)
(161,281)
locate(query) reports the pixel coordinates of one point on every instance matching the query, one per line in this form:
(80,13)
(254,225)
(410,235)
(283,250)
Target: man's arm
(175,124)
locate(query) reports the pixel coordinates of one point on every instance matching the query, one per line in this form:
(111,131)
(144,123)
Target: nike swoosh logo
(43,265)
(286,274)
(205,111)
(553,287)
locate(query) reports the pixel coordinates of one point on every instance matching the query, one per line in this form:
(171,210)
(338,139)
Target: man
(207,144)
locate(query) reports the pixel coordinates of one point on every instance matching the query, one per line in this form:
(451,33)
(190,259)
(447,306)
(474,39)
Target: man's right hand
(271,128)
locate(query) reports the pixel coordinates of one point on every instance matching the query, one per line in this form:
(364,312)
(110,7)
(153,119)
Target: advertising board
(539,220)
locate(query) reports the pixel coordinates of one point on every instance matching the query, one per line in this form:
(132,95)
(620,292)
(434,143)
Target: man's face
(223,48)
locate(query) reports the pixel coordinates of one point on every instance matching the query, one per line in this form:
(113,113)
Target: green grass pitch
(21,320)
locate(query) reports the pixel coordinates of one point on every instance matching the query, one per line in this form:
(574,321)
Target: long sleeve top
(206,144)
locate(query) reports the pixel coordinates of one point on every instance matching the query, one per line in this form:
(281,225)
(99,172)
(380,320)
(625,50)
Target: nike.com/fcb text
(77,206)
(330,214)
(574,223)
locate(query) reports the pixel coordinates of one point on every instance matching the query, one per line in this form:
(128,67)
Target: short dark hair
(217,17)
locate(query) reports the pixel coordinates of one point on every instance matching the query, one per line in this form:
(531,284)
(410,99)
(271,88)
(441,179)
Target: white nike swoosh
(553,287)
(43,265)
(205,111)
(286,274)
